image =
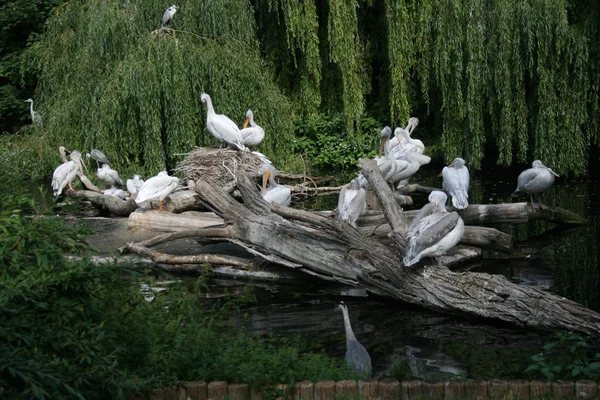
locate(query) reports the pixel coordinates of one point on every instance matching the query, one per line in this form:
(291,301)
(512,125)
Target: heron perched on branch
(535,181)
(357,357)
(36,118)
(168,15)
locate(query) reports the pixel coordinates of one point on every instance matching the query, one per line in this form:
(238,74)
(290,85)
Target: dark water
(404,339)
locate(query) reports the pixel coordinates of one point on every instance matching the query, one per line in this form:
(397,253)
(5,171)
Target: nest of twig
(219,166)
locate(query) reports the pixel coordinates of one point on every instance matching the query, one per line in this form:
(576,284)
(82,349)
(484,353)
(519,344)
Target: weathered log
(333,249)
(167,222)
(416,188)
(505,213)
(106,203)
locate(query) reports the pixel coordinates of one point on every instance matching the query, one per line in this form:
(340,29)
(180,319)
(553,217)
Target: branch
(224,233)
(163,258)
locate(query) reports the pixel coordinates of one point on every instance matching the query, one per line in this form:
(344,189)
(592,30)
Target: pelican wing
(357,205)
(63,175)
(425,211)
(342,203)
(456,182)
(278,194)
(156,187)
(252,136)
(528,178)
(427,232)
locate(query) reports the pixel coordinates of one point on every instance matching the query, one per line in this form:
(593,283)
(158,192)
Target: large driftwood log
(334,250)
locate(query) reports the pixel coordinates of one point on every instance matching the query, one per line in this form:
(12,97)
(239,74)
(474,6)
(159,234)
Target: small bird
(254,134)
(455,181)
(134,185)
(220,126)
(434,232)
(352,202)
(36,118)
(168,15)
(272,191)
(535,181)
(157,188)
(357,357)
(109,176)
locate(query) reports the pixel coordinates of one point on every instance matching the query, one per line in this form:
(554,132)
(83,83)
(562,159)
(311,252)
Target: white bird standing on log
(36,118)
(455,181)
(168,15)
(434,234)
(357,357)
(157,188)
(272,191)
(535,181)
(254,134)
(220,126)
(352,202)
(65,173)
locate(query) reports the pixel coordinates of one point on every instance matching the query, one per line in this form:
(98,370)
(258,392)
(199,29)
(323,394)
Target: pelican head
(539,164)
(439,198)
(162,173)
(249,117)
(385,134)
(205,98)
(457,163)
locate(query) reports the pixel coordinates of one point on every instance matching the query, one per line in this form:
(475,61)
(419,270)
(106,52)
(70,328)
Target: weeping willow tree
(515,78)
(110,79)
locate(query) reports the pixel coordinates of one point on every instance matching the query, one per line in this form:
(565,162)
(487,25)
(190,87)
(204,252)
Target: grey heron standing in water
(168,15)
(357,356)
(433,234)
(36,118)
(456,183)
(535,181)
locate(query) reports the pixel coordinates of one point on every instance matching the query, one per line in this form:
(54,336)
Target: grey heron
(352,202)
(109,176)
(273,192)
(220,126)
(357,357)
(157,188)
(168,15)
(134,185)
(36,118)
(434,234)
(455,181)
(254,134)
(535,181)
(98,156)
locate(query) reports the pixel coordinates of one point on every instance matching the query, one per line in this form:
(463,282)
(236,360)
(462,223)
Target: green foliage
(566,358)
(327,144)
(53,343)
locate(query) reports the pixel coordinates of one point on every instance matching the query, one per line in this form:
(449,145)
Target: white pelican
(157,188)
(434,234)
(63,175)
(272,191)
(109,176)
(168,15)
(98,156)
(535,181)
(134,185)
(393,146)
(411,144)
(456,183)
(252,135)
(352,202)
(221,127)
(410,127)
(36,118)
(113,191)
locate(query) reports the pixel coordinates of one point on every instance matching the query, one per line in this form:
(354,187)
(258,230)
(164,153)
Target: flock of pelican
(434,230)
(159,187)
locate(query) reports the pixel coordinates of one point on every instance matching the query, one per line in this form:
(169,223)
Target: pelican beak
(555,174)
(382,144)
(440,174)
(246,123)
(266,179)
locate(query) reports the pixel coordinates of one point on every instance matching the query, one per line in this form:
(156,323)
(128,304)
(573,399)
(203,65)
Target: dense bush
(71,329)
(326,143)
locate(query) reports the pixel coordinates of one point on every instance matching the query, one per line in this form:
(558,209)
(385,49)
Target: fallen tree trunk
(334,250)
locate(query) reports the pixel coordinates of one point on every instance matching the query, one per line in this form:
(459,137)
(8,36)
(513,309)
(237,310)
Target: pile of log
(369,256)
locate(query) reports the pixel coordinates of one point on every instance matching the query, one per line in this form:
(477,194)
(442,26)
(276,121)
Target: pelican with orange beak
(254,134)
(273,192)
